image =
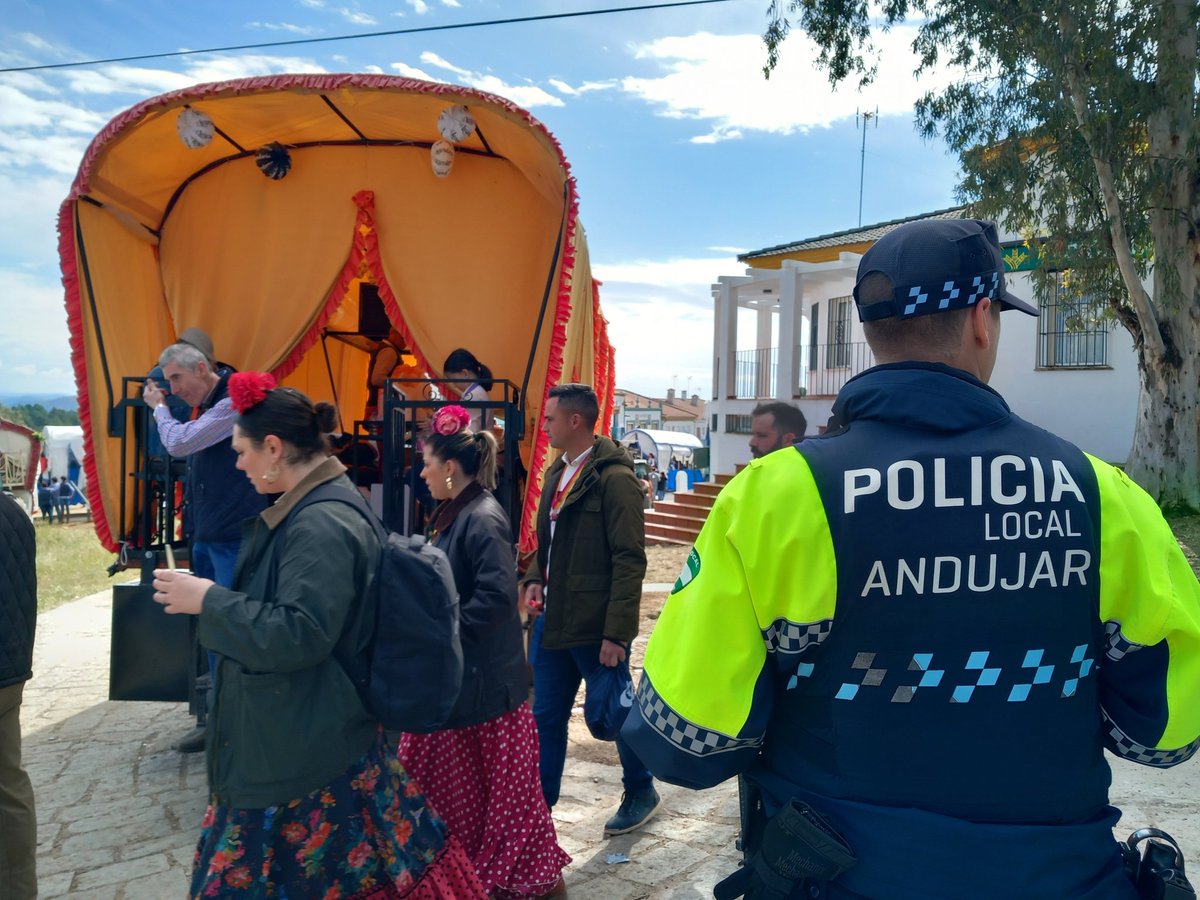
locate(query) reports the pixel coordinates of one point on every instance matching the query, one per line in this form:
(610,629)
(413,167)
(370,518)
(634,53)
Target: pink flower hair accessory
(450,420)
(248,389)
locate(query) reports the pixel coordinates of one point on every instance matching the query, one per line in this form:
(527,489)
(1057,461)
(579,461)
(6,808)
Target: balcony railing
(755,373)
(824,368)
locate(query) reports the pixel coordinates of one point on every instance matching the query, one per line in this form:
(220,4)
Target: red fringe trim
(74,304)
(554,367)
(364,221)
(305,83)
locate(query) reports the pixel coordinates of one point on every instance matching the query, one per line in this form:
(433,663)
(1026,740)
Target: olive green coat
(598,559)
(286,719)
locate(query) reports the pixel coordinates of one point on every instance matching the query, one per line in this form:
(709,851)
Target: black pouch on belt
(798,845)
(1157,869)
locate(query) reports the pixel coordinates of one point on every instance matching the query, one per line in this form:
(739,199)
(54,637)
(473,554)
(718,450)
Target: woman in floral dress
(308,799)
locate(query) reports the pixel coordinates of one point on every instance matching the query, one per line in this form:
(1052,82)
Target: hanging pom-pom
(441,156)
(274,160)
(194,127)
(455,123)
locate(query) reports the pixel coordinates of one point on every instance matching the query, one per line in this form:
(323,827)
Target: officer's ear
(982,323)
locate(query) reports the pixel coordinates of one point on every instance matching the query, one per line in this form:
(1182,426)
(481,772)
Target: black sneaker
(634,812)
(193,741)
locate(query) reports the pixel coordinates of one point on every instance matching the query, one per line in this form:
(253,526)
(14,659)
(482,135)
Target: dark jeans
(556,678)
(214,559)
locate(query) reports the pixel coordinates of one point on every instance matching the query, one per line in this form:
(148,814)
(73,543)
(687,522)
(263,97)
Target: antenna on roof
(867,118)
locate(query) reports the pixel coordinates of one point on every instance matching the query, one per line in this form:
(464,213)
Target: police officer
(916,635)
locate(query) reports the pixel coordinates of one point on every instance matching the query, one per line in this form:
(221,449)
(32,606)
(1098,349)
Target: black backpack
(412,671)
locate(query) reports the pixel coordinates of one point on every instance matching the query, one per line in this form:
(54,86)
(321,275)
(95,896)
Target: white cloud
(526,95)
(313,4)
(122,79)
(562,87)
(420,7)
(285,26)
(660,319)
(453,3)
(34,41)
(691,276)
(357,17)
(374,70)
(718,79)
(34,342)
(412,72)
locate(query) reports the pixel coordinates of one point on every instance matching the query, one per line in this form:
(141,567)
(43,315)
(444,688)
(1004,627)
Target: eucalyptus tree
(1075,122)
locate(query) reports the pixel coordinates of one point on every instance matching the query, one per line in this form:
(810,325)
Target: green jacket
(286,719)
(599,553)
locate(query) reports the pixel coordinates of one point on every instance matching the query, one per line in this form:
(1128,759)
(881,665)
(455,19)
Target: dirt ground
(664,562)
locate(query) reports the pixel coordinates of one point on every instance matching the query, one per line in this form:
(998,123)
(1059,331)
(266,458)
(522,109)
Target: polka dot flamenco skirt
(483,780)
(369,835)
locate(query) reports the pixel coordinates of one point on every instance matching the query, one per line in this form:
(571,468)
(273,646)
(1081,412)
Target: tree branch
(1122,249)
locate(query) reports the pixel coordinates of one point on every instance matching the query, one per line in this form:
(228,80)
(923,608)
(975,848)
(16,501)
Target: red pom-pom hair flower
(248,389)
(450,420)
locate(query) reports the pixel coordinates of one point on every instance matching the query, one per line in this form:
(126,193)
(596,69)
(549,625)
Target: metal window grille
(737,424)
(838,355)
(1072,329)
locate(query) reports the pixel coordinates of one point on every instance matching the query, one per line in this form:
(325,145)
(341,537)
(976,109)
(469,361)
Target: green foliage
(1075,124)
(36,417)
(1048,87)
(71,563)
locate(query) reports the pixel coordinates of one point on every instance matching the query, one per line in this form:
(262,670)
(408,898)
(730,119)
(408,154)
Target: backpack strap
(329,492)
(357,670)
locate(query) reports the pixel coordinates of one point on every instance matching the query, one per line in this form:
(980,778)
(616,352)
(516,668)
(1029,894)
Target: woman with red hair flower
(307,796)
(481,769)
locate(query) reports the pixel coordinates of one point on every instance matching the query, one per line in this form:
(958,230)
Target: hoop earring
(271,475)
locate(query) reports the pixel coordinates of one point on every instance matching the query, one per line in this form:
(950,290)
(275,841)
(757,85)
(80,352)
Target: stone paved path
(119,810)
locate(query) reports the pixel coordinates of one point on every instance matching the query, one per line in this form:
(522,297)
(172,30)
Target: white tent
(665,445)
(59,444)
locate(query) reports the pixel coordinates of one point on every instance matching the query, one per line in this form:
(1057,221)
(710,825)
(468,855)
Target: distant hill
(48,401)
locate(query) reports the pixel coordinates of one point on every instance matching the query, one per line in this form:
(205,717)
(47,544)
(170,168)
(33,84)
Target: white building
(787,330)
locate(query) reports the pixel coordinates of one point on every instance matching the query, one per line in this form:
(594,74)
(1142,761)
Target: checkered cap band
(786,636)
(686,735)
(1123,745)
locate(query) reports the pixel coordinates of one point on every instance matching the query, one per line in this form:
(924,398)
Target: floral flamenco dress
(368,835)
(308,799)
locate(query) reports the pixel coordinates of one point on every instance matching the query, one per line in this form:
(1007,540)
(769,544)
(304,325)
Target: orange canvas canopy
(157,237)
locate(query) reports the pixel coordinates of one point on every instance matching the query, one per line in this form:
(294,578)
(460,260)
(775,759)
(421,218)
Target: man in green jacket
(587,586)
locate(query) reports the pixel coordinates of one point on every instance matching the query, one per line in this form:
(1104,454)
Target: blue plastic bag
(608,701)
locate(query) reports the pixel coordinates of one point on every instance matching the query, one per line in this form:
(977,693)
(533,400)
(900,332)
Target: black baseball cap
(937,265)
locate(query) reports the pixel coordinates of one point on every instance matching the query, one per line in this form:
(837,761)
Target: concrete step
(704,501)
(723,478)
(676,514)
(665,534)
(706,488)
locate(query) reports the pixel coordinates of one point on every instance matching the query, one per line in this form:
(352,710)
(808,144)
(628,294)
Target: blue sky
(683,153)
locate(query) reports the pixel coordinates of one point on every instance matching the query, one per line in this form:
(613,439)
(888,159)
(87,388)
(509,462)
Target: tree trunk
(1165,459)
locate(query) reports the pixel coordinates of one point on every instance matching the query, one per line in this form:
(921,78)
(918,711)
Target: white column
(726,339)
(791,295)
